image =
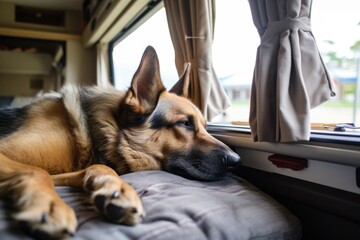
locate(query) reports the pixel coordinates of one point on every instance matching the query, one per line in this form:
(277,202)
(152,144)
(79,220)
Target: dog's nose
(231,160)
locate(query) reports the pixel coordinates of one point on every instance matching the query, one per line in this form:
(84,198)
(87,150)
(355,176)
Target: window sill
(348,137)
(325,146)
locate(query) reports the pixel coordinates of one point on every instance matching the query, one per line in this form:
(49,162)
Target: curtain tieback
(276,27)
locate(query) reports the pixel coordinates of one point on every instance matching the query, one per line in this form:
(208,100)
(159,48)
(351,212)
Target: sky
(338,21)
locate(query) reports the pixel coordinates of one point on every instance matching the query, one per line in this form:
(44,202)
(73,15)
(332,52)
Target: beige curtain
(290,77)
(102,65)
(191,25)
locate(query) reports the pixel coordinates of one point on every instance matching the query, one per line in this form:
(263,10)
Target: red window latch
(293,163)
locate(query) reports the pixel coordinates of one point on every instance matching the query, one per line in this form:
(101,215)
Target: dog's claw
(116,194)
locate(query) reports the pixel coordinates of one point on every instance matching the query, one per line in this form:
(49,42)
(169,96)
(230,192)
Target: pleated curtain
(191,25)
(290,77)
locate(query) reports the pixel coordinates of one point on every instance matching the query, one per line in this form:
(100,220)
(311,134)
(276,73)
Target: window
(337,32)
(234,52)
(127,52)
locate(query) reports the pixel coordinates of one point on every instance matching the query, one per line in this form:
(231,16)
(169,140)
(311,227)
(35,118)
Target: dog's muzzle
(231,160)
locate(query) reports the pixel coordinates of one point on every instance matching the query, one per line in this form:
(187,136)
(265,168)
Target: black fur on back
(11,119)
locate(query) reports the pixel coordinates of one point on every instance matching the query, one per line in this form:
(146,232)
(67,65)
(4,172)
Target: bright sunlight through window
(127,53)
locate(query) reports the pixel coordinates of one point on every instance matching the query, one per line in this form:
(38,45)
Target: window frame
(317,137)
(344,151)
(142,17)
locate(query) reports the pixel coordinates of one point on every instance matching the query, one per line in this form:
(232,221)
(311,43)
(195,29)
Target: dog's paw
(117,200)
(45,216)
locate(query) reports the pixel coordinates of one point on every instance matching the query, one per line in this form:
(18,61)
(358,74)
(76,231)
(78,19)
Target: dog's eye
(186,124)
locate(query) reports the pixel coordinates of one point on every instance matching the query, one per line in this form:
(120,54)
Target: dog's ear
(181,88)
(146,84)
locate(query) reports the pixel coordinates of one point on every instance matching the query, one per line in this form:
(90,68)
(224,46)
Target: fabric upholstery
(178,208)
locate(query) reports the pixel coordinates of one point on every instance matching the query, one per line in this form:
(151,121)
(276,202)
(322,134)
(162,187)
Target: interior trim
(47,35)
(315,195)
(328,152)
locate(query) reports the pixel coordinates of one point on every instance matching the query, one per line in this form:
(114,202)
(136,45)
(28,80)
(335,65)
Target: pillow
(178,208)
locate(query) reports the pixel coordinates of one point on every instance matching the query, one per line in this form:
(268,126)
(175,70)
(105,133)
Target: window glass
(337,33)
(126,54)
(234,51)
(336,27)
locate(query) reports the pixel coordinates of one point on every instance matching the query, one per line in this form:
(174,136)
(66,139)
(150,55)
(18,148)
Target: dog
(87,137)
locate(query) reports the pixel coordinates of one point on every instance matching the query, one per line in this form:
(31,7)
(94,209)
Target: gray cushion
(178,208)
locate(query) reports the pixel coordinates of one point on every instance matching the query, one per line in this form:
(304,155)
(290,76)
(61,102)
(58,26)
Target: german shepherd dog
(86,137)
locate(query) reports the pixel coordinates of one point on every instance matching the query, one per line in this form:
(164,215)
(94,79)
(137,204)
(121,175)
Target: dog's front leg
(39,209)
(111,195)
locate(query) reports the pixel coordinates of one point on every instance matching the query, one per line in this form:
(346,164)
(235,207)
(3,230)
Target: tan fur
(31,189)
(54,151)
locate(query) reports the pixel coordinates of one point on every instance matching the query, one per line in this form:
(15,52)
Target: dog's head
(165,130)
